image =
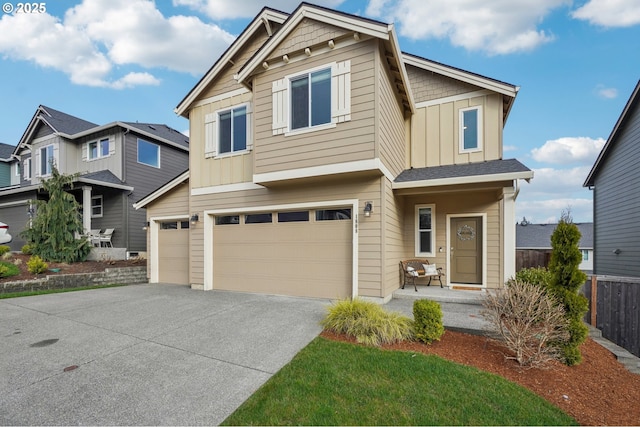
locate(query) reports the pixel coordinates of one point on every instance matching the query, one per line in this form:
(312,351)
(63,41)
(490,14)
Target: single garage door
(303,253)
(173,252)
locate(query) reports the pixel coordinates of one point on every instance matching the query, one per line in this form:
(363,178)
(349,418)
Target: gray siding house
(615,180)
(116,163)
(7,169)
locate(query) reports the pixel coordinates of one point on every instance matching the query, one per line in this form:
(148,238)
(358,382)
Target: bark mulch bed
(599,391)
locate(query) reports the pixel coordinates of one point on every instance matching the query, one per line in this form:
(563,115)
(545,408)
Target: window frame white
(247,145)
(101,206)
(26,169)
(307,74)
(48,164)
(99,149)
(418,230)
(479,129)
(138,153)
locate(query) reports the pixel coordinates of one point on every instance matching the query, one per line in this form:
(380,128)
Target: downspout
(126,197)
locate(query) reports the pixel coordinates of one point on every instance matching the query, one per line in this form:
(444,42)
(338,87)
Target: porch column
(509,224)
(86,208)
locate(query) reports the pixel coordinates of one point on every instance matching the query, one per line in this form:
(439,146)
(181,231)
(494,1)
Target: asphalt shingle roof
(538,236)
(161,131)
(490,167)
(6,150)
(65,123)
(104,176)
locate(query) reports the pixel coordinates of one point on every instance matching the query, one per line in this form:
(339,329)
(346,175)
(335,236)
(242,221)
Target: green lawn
(335,383)
(55,291)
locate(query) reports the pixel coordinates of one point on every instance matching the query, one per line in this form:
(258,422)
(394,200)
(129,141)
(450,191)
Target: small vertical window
(26,169)
(96,206)
(470,129)
(46,160)
(148,153)
(425,230)
(585,255)
(18,169)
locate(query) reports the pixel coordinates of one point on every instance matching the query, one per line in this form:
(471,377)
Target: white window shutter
(341,92)
(249,127)
(112,145)
(280,94)
(38,163)
(56,156)
(210,132)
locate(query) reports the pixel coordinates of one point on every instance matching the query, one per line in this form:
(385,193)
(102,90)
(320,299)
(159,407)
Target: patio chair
(94,237)
(105,238)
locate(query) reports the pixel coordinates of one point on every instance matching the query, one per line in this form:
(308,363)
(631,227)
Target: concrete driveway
(144,354)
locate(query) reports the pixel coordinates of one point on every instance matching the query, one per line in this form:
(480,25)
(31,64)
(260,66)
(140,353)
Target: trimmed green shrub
(367,321)
(27,249)
(7,269)
(36,265)
(535,276)
(427,318)
(4,249)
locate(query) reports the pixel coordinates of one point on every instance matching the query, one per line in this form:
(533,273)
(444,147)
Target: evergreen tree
(566,281)
(57,222)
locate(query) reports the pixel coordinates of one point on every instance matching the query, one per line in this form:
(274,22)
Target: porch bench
(416,268)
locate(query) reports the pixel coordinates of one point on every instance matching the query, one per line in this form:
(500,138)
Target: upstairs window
(311,99)
(228,131)
(470,129)
(148,153)
(315,99)
(46,160)
(98,149)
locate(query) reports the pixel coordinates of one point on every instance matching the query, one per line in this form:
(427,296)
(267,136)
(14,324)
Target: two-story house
(116,163)
(322,155)
(8,173)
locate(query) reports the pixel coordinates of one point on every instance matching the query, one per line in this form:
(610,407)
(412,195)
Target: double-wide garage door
(302,253)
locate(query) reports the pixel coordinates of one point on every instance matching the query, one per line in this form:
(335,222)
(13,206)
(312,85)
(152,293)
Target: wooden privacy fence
(614,308)
(530,258)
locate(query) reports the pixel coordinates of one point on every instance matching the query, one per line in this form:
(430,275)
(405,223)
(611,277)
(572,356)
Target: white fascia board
(337,168)
(130,128)
(321,15)
(474,179)
(18,189)
(105,184)
(162,190)
(397,52)
(237,45)
(474,79)
(226,188)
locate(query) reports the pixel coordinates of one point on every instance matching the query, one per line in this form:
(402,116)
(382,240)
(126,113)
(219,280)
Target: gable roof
(488,171)
(72,127)
(265,16)
(163,189)
(6,151)
(353,23)
(632,103)
(538,236)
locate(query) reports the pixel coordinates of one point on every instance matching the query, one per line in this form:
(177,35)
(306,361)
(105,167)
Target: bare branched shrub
(527,320)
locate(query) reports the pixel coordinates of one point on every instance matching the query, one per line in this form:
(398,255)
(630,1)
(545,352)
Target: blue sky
(576,63)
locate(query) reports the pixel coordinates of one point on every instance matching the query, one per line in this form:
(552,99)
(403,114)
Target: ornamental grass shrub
(427,317)
(368,322)
(36,265)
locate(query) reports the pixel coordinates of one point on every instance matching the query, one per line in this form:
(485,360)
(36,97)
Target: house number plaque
(466,232)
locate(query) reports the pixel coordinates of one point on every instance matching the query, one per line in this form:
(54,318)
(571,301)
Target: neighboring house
(116,163)
(322,155)
(533,245)
(9,173)
(614,180)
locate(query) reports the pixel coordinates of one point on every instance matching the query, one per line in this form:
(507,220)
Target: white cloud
(610,13)
(506,148)
(549,211)
(493,26)
(581,150)
(225,9)
(606,92)
(97,35)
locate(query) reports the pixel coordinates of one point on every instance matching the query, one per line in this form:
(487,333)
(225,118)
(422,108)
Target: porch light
(194,219)
(145,227)
(368,208)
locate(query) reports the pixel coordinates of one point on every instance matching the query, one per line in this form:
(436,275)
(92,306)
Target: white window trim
(101,206)
(461,129)
(18,170)
(340,99)
(53,156)
(216,143)
(26,169)
(138,153)
(417,230)
(99,147)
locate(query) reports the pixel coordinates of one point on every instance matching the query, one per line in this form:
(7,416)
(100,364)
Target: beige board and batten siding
(348,141)
(459,203)
(219,170)
(369,229)
(174,204)
(435,132)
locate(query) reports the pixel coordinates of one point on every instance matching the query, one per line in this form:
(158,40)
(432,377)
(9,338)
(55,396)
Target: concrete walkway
(461,311)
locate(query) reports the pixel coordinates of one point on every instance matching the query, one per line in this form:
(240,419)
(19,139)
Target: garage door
(17,220)
(299,253)
(173,252)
